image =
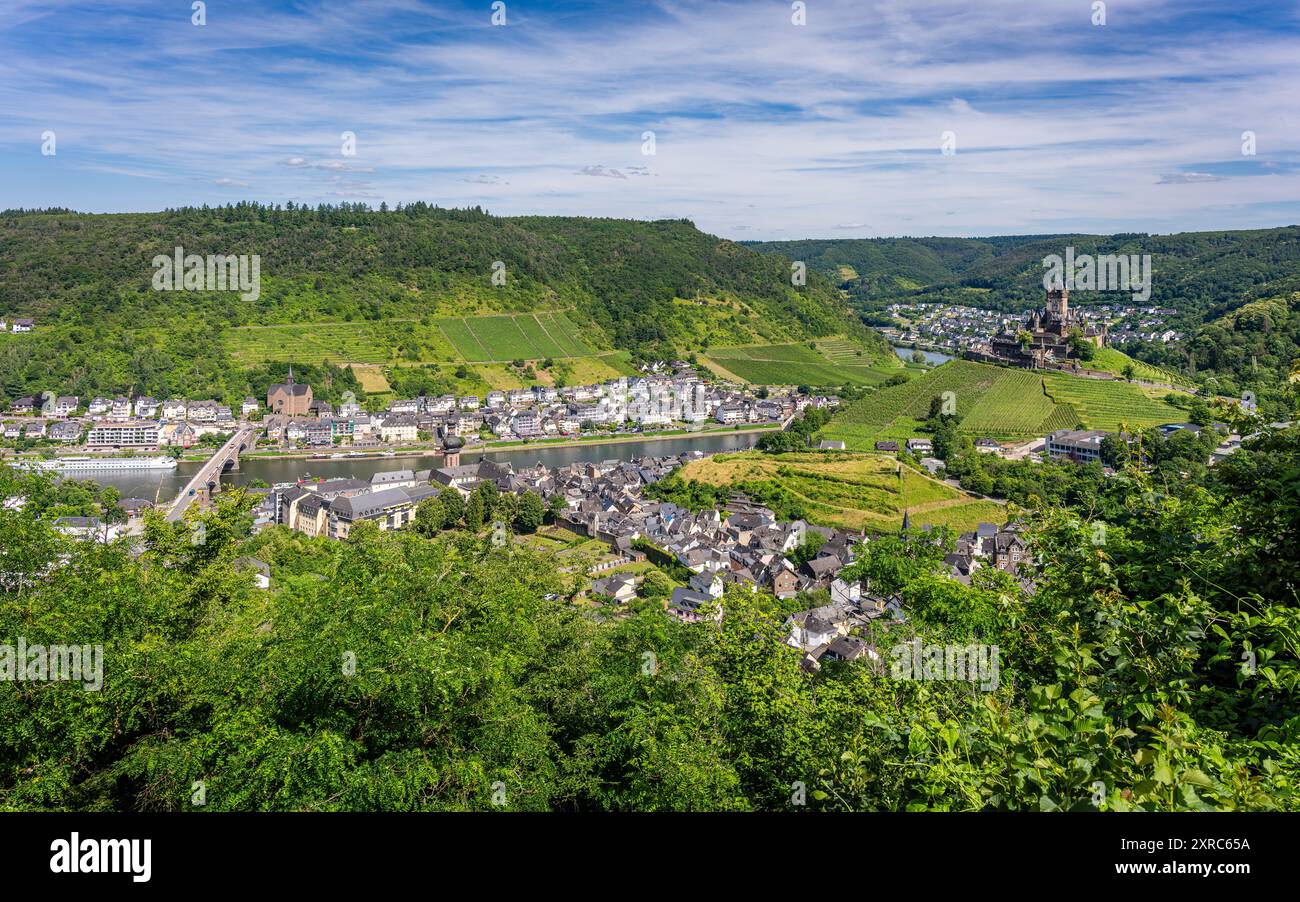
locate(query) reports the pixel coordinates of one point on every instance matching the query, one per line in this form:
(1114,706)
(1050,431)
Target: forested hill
(641,286)
(1202,274)
(1237,294)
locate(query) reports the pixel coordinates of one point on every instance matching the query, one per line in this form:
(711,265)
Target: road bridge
(207,481)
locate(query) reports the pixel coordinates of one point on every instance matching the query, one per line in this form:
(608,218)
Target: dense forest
(87,280)
(1148,662)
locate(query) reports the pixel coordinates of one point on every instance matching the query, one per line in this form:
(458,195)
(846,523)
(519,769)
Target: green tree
(530,513)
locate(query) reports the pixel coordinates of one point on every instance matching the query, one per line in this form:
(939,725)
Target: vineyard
(851,491)
(362,342)
(830,362)
(1015,404)
(525,336)
(998,402)
(1104,405)
(1112,360)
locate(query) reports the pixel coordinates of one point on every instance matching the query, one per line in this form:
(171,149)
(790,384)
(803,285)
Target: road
(210,471)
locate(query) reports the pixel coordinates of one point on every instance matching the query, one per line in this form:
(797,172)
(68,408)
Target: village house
(621,587)
(65,431)
(399,429)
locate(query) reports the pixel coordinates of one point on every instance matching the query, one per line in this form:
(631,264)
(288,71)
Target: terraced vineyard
(1113,360)
(525,336)
(1104,405)
(851,491)
(830,362)
(991,400)
(1015,404)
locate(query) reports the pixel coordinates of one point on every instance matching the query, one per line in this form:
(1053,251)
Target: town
(957,328)
(293,418)
(606,510)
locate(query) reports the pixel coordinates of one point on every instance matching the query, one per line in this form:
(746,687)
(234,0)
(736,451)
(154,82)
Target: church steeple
(907,520)
(289,380)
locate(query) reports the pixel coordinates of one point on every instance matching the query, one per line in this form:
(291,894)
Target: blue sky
(762,128)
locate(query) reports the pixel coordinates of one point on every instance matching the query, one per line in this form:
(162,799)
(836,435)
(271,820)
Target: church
(289,398)
(1049,329)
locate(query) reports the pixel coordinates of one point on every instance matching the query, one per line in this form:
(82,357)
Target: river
(164,485)
(934,358)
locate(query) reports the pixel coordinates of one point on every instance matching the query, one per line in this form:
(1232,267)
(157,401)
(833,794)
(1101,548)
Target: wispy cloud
(1059,125)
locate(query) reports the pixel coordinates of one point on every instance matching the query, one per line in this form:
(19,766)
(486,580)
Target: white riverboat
(103,464)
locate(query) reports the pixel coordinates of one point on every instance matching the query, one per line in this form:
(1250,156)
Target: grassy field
(851,490)
(999,402)
(372,378)
(828,362)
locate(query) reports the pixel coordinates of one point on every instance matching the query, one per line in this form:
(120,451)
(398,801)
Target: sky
(762,128)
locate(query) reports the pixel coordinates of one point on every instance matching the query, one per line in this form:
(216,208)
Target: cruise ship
(104,464)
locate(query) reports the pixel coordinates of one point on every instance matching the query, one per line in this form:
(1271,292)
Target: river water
(163,485)
(934,358)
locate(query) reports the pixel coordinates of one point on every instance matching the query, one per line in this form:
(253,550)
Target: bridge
(207,481)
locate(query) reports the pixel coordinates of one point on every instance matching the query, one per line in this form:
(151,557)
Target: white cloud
(601,172)
(786,130)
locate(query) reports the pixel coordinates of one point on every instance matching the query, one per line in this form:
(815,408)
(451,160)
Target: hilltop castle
(1049,329)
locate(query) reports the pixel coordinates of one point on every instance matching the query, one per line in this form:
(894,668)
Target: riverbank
(429,448)
(272,470)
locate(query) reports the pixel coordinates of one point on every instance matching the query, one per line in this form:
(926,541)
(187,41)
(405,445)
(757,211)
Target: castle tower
(1058,303)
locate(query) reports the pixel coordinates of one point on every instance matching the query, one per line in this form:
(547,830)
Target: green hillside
(831,362)
(849,491)
(1113,360)
(1201,274)
(397,289)
(998,402)
(1235,295)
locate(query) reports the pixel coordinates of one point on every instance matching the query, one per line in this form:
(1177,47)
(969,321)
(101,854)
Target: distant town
(956,328)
